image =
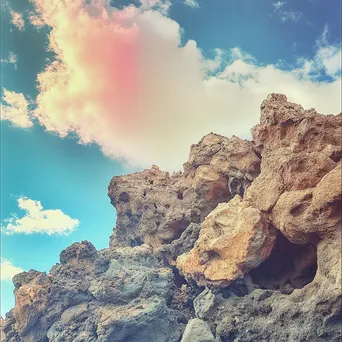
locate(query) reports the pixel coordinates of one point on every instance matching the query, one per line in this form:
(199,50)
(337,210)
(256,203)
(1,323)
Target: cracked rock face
(244,245)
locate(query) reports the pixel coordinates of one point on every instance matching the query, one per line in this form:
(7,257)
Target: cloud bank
(38,220)
(8,270)
(123,80)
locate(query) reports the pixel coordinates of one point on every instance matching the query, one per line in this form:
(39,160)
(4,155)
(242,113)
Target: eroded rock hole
(180,195)
(235,187)
(177,228)
(290,266)
(124,196)
(179,279)
(238,289)
(136,242)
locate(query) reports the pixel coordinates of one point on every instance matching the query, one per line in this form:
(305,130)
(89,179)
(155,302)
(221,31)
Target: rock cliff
(244,245)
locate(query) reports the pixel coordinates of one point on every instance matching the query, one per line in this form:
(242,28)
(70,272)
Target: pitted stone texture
(155,208)
(78,251)
(299,187)
(286,124)
(234,239)
(306,215)
(312,313)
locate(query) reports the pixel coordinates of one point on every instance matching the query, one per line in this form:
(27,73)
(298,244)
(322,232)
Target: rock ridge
(243,245)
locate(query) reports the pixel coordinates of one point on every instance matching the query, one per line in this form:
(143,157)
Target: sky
(94,89)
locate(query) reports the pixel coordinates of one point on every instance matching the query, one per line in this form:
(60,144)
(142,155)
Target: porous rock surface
(155,208)
(244,245)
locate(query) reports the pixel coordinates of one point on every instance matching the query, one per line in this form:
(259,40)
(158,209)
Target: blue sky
(202,66)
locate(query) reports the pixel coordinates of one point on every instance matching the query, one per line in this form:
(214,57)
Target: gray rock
(78,251)
(106,296)
(198,330)
(203,303)
(169,253)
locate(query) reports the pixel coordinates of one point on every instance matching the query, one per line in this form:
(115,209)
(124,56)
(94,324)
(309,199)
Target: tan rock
(282,170)
(286,124)
(31,300)
(299,185)
(306,215)
(234,239)
(156,208)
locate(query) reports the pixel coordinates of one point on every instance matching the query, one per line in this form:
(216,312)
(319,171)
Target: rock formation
(244,245)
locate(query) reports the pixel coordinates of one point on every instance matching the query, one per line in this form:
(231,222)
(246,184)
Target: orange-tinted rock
(234,239)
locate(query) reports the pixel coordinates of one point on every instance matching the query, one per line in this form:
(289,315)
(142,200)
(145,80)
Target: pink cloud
(122,81)
(17,20)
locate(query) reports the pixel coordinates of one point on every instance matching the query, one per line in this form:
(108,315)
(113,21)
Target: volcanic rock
(156,208)
(234,239)
(244,245)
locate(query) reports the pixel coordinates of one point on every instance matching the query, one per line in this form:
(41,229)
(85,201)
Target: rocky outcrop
(156,208)
(298,192)
(244,245)
(120,295)
(234,239)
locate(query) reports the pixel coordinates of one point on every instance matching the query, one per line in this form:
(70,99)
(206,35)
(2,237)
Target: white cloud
(12,59)
(290,16)
(38,220)
(15,108)
(123,81)
(327,59)
(330,55)
(277,5)
(17,20)
(191,3)
(8,270)
(161,6)
(285,15)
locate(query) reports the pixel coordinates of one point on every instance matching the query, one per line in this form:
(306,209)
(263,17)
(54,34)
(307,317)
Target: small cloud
(8,270)
(289,16)
(326,60)
(161,6)
(323,38)
(17,20)
(278,5)
(191,3)
(285,15)
(12,59)
(39,220)
(36,20)
(329,54)
(16,109)
(212,65)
